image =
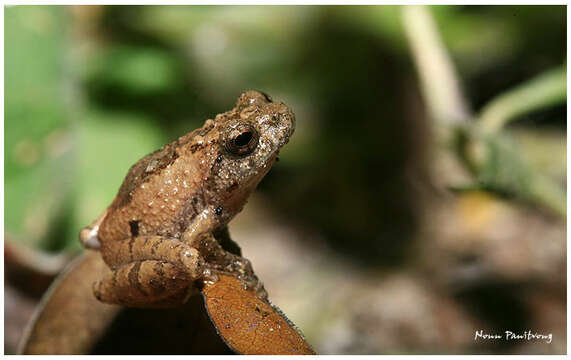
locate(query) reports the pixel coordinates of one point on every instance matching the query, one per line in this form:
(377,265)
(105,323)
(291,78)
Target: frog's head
(250,138)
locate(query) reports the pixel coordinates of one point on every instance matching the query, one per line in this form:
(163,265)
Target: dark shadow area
(500,306)
(356,191)
(182,331)
(176,103)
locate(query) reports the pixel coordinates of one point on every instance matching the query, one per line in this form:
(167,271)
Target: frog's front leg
(148,271)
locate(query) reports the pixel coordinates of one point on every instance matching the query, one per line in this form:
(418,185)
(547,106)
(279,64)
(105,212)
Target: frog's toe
(88,238)
(192,261)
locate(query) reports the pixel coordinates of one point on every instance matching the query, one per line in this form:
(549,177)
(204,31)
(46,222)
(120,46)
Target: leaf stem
(542,91)
(438,78)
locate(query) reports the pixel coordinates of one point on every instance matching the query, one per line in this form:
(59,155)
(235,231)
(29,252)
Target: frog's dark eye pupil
(243,139)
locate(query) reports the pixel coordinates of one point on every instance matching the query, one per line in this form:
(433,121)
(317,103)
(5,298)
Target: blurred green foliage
(129,67)
(36,186)
(89,90)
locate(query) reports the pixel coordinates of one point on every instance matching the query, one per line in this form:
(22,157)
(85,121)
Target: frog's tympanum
(164,235)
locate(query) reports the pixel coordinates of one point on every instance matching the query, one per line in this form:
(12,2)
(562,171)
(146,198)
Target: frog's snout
(287,123)
(275,120)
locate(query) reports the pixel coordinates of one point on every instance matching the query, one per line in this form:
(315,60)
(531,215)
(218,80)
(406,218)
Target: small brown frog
(165,231)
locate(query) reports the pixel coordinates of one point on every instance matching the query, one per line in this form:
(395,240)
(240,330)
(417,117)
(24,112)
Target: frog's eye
(242,140)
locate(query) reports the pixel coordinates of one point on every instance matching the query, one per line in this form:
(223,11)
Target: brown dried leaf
(248,324)
(70,319)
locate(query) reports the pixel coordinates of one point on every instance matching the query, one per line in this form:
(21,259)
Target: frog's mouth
(238,197)
(268,162)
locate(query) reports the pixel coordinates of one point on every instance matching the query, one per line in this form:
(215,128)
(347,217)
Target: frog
(165,233)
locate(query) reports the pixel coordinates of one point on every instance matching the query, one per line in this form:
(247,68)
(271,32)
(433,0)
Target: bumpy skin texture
(160,233)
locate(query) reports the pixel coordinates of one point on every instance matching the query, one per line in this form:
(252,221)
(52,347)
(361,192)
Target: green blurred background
(91,89)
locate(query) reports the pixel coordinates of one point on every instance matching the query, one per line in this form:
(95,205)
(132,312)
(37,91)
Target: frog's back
(158,190)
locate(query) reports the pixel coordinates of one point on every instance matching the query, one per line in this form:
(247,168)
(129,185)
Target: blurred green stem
(494,163)
(438,78)
(542,91)
(546,192)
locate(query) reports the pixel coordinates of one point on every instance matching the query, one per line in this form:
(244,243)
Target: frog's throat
(238,199)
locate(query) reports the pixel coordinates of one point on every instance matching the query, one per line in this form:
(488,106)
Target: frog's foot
(241,268)
(222,262)
(88,238)
(88,235)
(147,283)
